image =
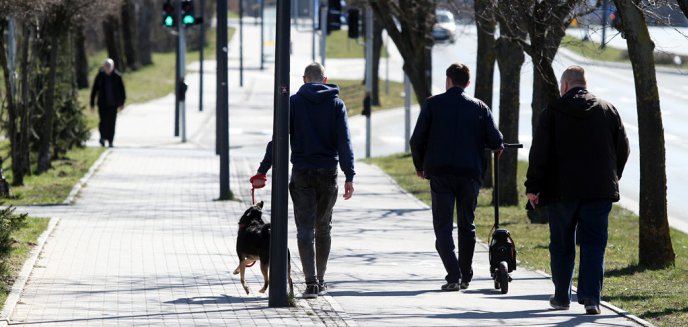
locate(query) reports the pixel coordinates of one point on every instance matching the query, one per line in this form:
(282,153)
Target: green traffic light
(189,20)
(169,21)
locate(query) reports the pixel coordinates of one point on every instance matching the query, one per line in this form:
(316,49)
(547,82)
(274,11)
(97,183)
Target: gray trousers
(314,193)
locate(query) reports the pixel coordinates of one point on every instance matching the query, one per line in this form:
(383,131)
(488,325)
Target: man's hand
(420,174)
(258,181)
(348,190)
(534,199)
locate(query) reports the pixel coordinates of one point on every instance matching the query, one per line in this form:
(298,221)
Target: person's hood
(577,102)
(318,92)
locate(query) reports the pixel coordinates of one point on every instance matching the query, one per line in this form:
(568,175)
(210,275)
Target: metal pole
(182,85)
(407,113)
(178,11)
(280,144)
(495,191)
(262,34)
(241,43)
(323,33)
(369,72)
(200,55)
(386,66)
(222,101)
(314,16)
(605,14)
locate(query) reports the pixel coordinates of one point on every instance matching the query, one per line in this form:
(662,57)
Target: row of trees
(535,28)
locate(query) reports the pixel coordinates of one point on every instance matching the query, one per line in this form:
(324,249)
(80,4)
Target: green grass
(150,82)
(25,240)
(353,92)
(656,295)
(54,185)
(339,45)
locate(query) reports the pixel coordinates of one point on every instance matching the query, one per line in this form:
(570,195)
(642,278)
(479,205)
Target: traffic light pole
(262,34)
(323,33)
(181,62)
(278,238)
(314,16)
(200,55)
(177,10)
(222,100)
(241,43)
(368,71)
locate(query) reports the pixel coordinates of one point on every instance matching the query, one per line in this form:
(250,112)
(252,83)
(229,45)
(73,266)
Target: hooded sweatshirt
(319,131)
(579,150)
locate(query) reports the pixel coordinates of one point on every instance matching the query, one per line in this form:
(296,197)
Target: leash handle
(253,195)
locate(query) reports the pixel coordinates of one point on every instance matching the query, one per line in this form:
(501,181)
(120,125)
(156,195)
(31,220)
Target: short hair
(314,72)
(109,62)
(459,74)
(575,75)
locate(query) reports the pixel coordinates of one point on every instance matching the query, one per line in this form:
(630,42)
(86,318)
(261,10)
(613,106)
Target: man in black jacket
(576,160)
(109,89)
(448,146)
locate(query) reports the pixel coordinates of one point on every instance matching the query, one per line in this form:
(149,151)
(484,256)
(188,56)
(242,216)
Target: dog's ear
(260,204)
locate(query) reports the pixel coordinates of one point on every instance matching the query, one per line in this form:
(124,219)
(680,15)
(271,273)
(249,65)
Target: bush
(9,223)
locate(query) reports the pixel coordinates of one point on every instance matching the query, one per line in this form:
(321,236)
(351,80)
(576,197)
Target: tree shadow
(625,271)
(221,299)
(665,312)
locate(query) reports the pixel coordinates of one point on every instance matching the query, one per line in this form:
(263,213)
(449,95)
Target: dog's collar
(242,226)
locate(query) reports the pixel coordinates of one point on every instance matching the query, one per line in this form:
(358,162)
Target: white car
(445,28)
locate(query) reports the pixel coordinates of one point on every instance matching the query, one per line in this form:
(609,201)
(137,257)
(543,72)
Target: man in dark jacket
(578,154)
(109,89)
(448,146)
(319,139)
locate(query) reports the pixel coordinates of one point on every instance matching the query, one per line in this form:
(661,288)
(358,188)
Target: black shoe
(311,291)
(464,285)
(591,307)
(102,142)
(322,288)
(556,305)
(112,145)
(450,287)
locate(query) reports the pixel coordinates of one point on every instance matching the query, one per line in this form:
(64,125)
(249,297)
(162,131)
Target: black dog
(253,243)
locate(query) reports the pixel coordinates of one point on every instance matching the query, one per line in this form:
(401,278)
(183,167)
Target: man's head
(458,75)
(573,77)
(109,66)
(314,73)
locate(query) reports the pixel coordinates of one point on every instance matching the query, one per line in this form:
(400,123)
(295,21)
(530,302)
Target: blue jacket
(451,135)
(319,131)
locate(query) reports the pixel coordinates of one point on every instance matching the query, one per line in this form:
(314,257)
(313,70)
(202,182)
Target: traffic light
(188,17)
(168,14)
(334,16)
(354,21)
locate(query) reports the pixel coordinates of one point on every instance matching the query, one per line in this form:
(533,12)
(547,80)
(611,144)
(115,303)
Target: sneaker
(311,291)
(556,305)
(451,287)
(102,142)
(322,288)
(591,308)
(464,285)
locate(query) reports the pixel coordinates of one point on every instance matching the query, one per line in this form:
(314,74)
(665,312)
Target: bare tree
(684,6)
(129,32)
(655,248)
(485,63)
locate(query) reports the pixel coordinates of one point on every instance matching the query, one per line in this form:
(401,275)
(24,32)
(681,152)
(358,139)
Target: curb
(82,182)
(583,60)
(25,273)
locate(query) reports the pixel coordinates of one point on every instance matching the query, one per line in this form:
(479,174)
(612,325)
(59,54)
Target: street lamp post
(241,43)
(222,100)
(200,56)
(368,73)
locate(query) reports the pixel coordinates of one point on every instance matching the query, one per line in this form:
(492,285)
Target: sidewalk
(146,244)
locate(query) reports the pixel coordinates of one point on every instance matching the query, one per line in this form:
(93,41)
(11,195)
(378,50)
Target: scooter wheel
(503,277)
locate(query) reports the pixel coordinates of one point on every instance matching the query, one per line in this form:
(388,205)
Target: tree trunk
(46,133)
(81,59)
(23,159)
(377,52)
(112,41)
(545,81)
(129,33)
(655,248)
(510,58)
(485,61)
(144,21)
(684,6)
(18,175)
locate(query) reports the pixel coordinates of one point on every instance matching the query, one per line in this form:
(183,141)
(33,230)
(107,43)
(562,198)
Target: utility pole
(262,34)
(222,100)
(605,14)
(323,32)
(407,113)
(181,62)
(241,43)
(314,17)
(280,144)
(200,55)
(369,73)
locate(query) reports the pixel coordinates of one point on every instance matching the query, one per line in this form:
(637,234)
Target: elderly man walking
(109,89)
(319,139)
(448,148)
(576,160)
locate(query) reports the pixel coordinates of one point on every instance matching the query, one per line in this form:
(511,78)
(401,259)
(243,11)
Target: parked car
(445,28)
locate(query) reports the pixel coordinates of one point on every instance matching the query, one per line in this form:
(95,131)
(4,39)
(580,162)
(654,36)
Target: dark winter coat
(319,131)
(579,150)
(451,134)
(109,89)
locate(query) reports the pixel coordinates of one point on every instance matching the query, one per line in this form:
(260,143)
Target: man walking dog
(448,145)
(578,154)
(319,138)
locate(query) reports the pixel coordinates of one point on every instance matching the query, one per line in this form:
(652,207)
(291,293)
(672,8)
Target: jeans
(584,221)
(446,191)
(108,118)
(314,193)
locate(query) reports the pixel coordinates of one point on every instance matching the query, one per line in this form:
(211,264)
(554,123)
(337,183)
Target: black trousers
(448,191)
(108,118)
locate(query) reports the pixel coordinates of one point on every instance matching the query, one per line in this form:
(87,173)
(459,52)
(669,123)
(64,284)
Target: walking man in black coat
(448,148)
(109,89)
(578,154)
